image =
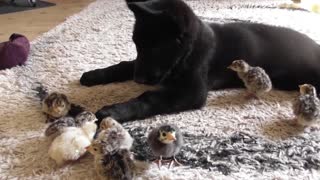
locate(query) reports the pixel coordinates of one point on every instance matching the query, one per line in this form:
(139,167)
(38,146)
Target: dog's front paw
(89,79)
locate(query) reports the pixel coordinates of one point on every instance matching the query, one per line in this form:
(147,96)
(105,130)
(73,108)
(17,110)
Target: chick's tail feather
(42,92)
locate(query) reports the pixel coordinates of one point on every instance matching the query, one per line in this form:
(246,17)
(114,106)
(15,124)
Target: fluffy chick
(85,117)
(57,127)
(70,145)
(55,105)
(108,122)
(165,141)
(255,79)
(42,91)
(114,165)
(114,133)
(306,106)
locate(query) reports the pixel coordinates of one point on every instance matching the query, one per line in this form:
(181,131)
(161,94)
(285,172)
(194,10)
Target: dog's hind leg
(116,73)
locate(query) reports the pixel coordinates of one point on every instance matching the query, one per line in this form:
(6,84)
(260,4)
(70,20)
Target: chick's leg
(174,161)
(158,161)
(251,95)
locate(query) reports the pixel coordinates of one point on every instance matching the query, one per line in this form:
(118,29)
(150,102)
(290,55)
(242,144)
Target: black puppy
(188,57)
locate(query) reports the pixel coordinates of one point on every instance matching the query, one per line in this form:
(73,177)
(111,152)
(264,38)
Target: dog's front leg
(116,73)
(155,102)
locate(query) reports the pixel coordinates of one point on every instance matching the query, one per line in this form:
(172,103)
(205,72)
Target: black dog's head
(163,34)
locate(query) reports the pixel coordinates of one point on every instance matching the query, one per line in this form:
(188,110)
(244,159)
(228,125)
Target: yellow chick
(71,144)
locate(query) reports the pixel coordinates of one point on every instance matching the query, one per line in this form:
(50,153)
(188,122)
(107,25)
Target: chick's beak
(87,147)
(171,137)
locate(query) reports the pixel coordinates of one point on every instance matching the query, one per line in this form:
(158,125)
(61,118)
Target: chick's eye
(95,149)
(164,134)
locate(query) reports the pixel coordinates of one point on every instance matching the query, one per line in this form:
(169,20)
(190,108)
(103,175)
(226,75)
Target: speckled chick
(58,126)
(55,105)
(306,106)
(84,117)
(108,122)
(116,165)
(114,133)
(165,141)
(255,79)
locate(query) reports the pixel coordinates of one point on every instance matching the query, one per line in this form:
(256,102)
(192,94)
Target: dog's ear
(144,7)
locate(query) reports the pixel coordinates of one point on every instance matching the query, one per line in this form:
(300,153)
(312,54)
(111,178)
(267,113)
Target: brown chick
(115,134)
(115,165)
(255,79)
(306,106)
(55,105)
(108,122)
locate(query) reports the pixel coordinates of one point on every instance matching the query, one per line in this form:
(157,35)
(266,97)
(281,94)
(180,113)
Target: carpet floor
(229,138)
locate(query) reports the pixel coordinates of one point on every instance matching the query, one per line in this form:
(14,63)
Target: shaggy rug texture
(229,138)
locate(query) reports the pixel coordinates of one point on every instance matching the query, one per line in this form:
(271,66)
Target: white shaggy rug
(229,138)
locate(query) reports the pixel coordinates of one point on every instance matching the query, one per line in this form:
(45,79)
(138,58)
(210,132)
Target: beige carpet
(100,36)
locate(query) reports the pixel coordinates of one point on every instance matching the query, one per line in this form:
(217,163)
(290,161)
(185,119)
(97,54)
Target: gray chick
(57,127)
(165,141)
(255,79)
(307,106)
(115,165)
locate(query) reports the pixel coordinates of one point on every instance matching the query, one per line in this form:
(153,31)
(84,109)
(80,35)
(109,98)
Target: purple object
(14,52)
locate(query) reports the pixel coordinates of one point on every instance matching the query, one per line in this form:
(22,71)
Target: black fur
(188,58)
